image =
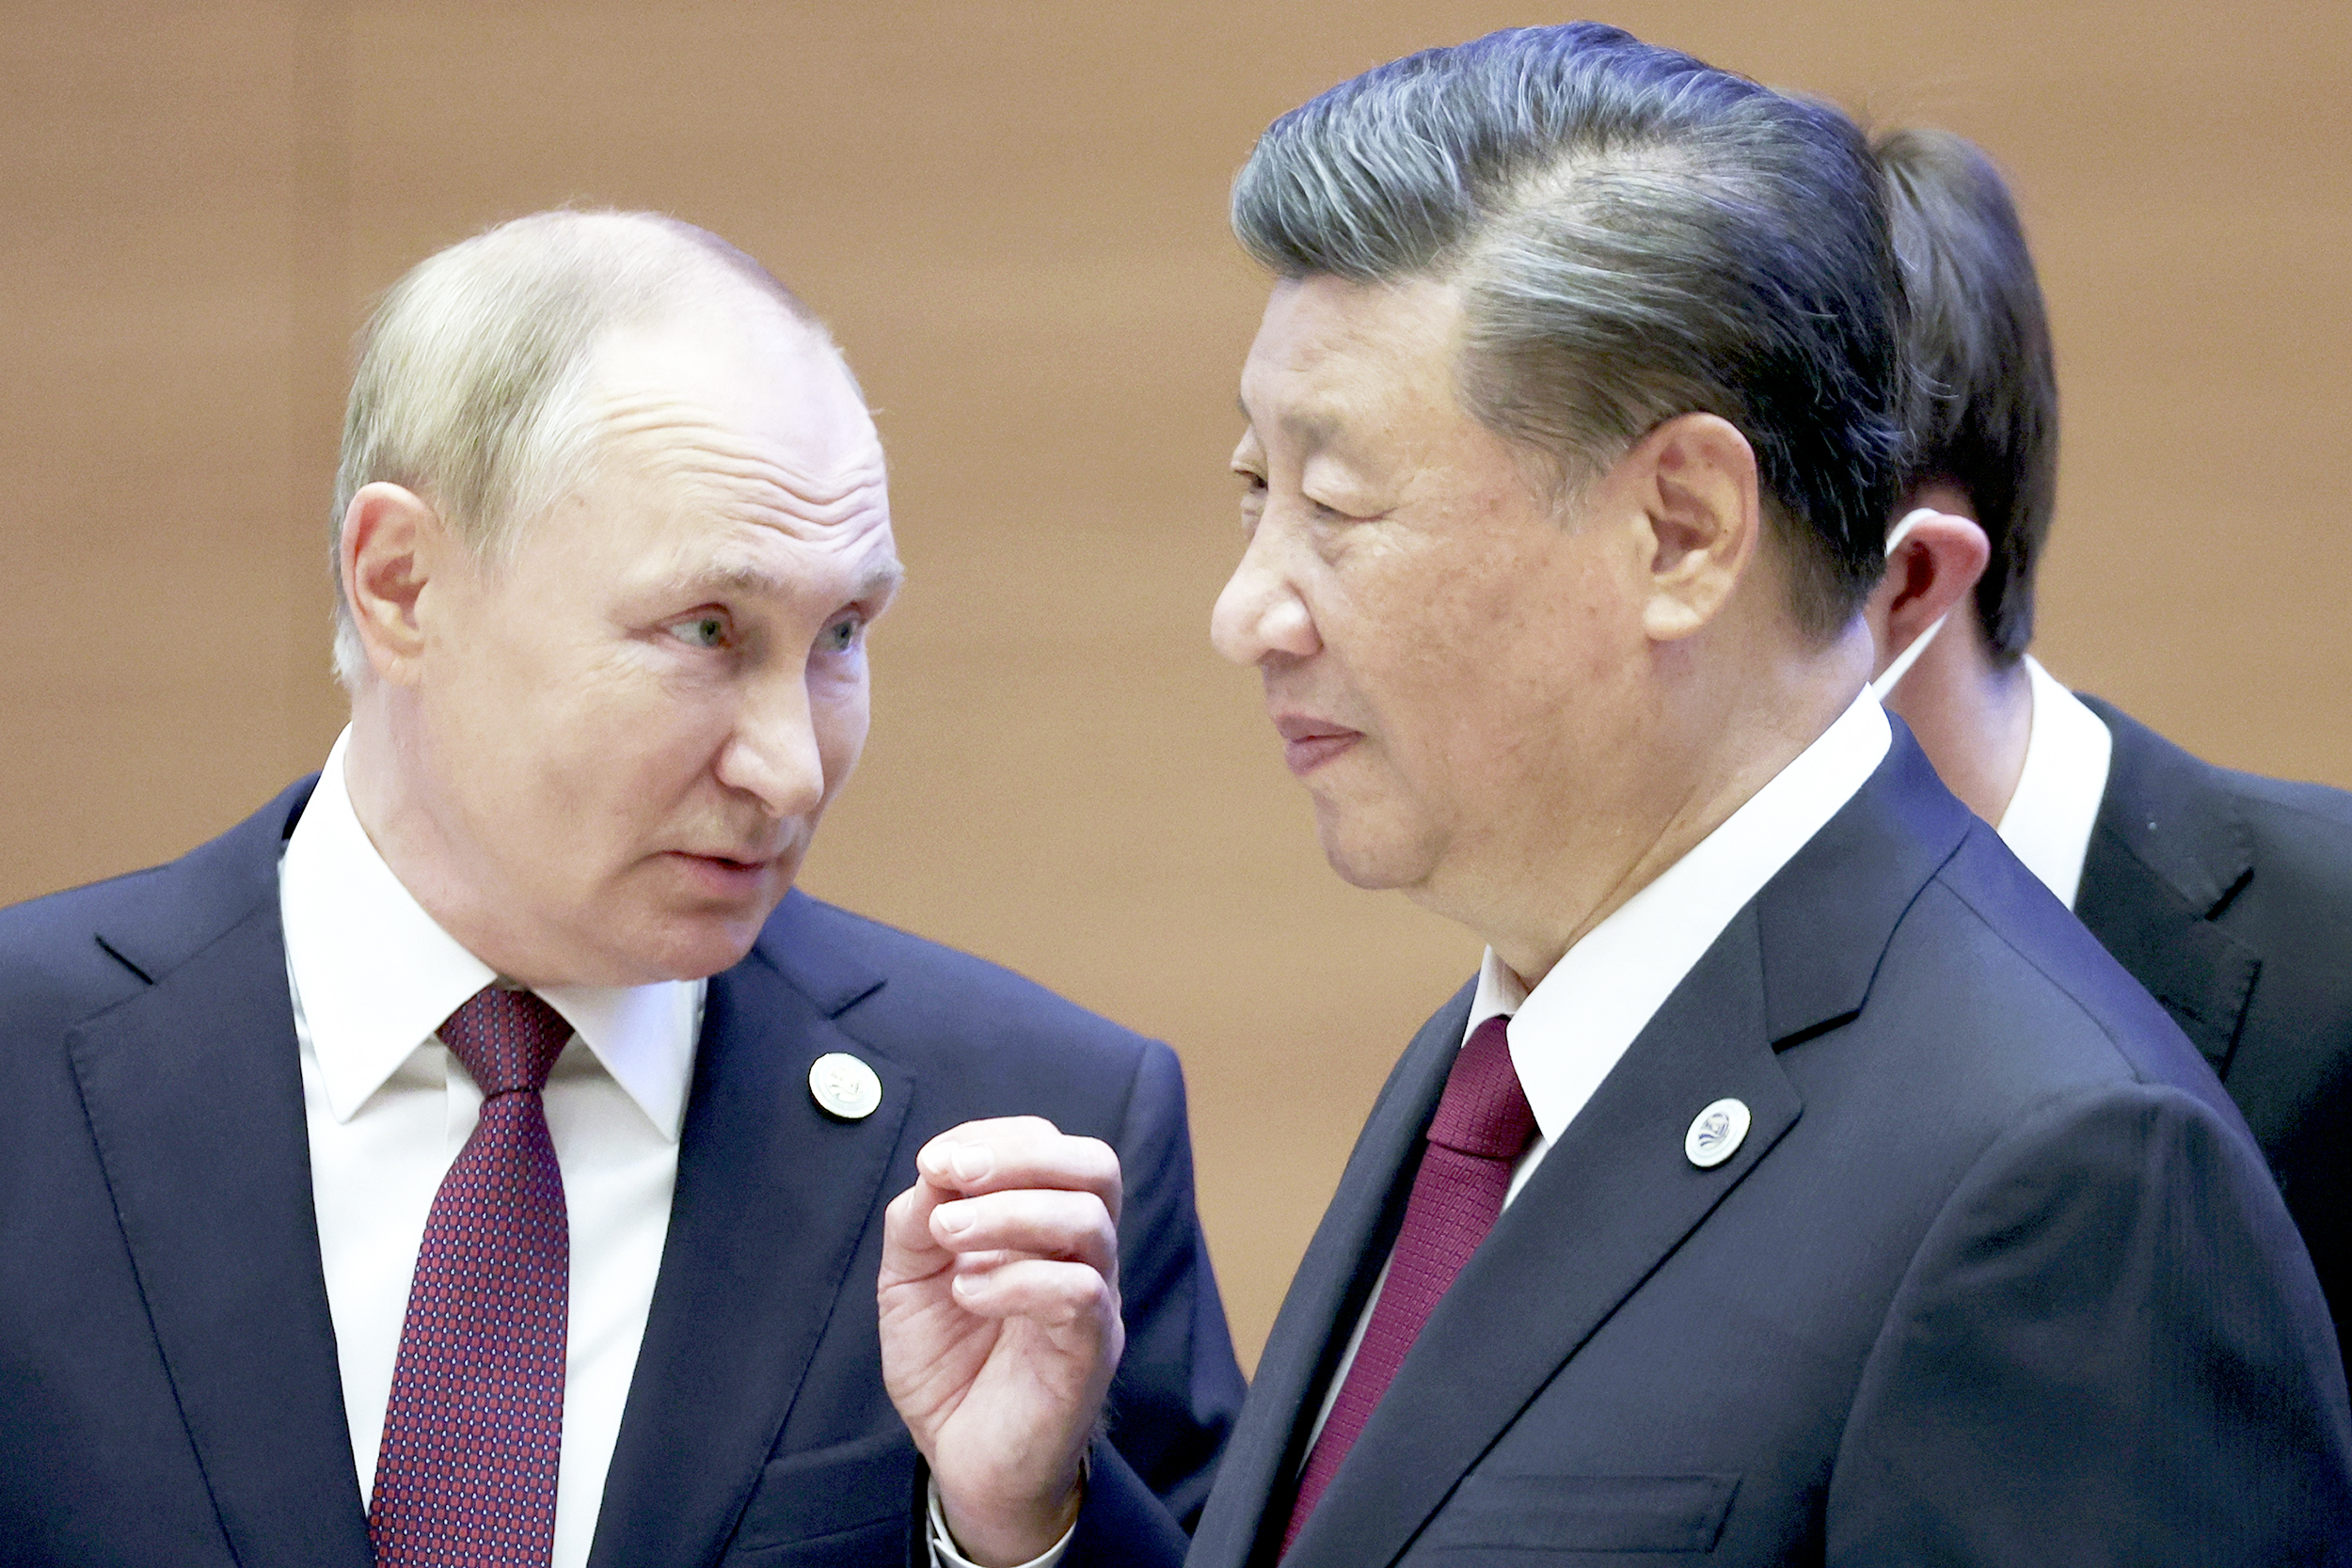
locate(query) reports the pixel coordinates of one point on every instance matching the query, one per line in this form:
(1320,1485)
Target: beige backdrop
(1013,214)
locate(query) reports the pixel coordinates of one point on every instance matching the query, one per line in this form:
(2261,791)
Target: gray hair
(1635,235)
(471,371)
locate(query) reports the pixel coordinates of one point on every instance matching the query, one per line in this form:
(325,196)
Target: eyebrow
(752,581)
(1309,430)
(881,580)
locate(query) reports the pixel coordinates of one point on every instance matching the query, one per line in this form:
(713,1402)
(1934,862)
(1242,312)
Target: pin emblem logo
(1716,1134)
(844,1087)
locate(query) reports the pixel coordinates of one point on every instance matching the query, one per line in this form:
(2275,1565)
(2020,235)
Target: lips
(723,875)
(1308,742)
(724,858)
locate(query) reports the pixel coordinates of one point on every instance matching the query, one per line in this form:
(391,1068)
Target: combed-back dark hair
(1636,235)
(1982,412)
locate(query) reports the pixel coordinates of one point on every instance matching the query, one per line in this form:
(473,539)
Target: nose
(1261,614)
(773,753)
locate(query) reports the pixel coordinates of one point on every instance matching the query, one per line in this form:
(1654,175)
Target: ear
(1929,573)
(393,542)
(1696,478)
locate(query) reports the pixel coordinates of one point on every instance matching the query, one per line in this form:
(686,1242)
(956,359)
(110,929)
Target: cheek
(631,738)
(1414,640)
(1467,666)
(840,712)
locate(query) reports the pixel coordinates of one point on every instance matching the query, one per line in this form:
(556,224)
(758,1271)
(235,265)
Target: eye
(708,628)
(842,635)
(1253,491)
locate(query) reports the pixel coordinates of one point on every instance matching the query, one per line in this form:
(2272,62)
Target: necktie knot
(1484,1111)
(508,1039)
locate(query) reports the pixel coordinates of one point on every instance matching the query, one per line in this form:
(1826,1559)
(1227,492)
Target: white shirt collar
(2048,821)
(376,975)
(1570,1030)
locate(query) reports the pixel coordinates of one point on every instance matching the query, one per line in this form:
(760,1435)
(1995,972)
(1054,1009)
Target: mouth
(1308,742)
(725,876)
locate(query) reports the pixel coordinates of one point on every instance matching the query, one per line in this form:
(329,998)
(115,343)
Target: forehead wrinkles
(682,446)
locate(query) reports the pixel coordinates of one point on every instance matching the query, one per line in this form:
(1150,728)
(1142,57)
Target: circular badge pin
(1716,1134)
(844,1087)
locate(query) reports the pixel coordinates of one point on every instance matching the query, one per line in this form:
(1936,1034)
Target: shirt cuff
(943,1553)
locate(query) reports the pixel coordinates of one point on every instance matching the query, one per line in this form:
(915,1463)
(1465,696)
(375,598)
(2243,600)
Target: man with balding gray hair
(477,1156)
(1796,1182)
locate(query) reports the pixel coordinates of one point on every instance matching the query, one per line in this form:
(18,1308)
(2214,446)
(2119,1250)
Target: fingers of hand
(1049,1292)
(1036,1222)
(1008,1152)
(909,1247)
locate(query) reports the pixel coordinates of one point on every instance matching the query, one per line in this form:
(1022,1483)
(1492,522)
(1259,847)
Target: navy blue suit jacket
(168,1388)
(2230,897)
(1996,1276)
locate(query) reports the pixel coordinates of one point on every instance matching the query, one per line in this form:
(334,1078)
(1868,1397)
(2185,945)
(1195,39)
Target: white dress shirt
(2048,820)
(1570,1030)
(389,1108)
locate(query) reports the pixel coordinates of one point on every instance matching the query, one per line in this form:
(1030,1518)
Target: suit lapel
(1616,1194)
(193,1089)
(2167,854)
(772,1199)
(1250,1506)
(1613,1198)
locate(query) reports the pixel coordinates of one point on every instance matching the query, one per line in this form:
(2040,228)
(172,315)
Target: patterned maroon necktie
(1481,1127)
(466,1477)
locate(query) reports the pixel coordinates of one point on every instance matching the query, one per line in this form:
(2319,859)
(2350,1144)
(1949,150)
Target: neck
(379,768)
(1973,717)
(1709,747)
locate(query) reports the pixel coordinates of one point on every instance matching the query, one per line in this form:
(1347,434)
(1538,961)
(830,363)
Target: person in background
(478,1156)
(2227,896)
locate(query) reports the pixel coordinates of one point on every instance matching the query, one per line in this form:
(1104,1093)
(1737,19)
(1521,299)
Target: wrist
(1012,1535)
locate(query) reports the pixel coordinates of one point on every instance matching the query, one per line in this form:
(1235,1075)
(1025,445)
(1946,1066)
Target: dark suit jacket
(168,1391)
(1996,1276)
(2230,897)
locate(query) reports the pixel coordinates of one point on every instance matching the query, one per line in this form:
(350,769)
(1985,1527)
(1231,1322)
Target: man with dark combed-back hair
(2228,895)
(1796,1182)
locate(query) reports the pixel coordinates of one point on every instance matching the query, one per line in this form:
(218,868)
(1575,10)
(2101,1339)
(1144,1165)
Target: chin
(684,947)
(712,947)
(1370,861)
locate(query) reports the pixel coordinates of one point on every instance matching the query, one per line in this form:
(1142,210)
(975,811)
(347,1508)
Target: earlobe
(1697,474)
(393,540)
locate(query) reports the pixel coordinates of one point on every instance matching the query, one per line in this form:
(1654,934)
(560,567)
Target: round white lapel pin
(1716,1134)
(844,1087)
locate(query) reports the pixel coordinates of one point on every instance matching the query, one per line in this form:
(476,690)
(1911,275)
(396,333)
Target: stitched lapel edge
(2167,851)
(773,1200)
(193,1092)
(1613,1199)
(1247,1508)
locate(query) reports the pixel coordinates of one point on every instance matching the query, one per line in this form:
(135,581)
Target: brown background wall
(1011,214)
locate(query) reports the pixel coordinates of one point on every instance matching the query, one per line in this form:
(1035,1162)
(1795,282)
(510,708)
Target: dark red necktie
(466,1477)
(1481,1127)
